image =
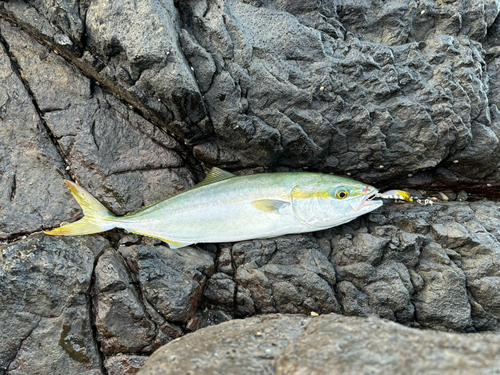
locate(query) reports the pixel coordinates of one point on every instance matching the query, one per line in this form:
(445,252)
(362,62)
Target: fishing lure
(227,208)
(395,194)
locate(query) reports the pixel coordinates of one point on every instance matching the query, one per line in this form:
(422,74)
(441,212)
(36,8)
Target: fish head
(333,201)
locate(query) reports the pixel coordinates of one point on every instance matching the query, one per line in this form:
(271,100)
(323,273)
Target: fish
(228,208)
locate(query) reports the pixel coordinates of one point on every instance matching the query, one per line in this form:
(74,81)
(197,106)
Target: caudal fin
(96,217)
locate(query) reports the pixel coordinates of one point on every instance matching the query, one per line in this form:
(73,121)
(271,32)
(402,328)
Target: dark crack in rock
(121,319)
(45,289)
(131,48)
(120,157)
(171,281)
(329,344)
(32,193)
(288,274)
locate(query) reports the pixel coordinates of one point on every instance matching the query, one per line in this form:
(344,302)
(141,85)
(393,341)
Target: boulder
(328,344)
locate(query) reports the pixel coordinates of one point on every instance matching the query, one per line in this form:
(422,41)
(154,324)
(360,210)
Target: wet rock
(442,303)
(171,281)
(284,344)
(45,288)
(30,165)
(116,154)
(121,319)
(145,67)
(289,274)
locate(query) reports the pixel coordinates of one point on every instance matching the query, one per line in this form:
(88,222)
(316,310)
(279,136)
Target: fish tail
(96,217)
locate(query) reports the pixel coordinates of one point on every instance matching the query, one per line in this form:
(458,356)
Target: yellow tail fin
(96,217)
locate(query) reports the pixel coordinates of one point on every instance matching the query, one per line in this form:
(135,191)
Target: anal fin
(172,244)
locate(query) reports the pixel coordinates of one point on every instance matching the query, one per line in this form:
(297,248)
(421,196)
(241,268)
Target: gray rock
(137,66)
(375,92)
(120,318)
(442,303)
(284,344)
(46,324)
(172,281)
(289,274)
(117,155)
(290,88)
(124,364)
(218,350)
(30,168)
(220,290)
(149,57)
(337,344)
(355,91)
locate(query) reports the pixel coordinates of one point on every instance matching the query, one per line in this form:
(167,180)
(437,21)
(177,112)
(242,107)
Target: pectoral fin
(273,206)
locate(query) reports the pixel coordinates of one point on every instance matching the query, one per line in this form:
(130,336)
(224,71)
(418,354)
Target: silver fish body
(228,208)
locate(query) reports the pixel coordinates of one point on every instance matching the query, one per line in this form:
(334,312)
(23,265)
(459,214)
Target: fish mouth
(367,201)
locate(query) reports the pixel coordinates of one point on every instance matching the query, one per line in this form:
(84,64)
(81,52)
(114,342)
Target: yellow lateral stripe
(307,194)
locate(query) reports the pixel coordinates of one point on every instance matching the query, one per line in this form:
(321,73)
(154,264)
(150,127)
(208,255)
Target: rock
(340,344)
(171,280)
(136,101)
(286,344)
(124,364)
(120,318)
(220,290)
(396,92)
(442,303)
(31,165)
(289,274)
(117,155)
(46,324)
(139,67)
(317,118)
(256,354)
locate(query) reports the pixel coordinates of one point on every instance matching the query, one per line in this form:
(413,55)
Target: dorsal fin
(215,175)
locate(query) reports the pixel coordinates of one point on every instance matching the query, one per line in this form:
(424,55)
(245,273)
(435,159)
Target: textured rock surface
(134,100)
(45,322)
(333,344)
(121,158)
(171,280)
(340,87)
(30,166)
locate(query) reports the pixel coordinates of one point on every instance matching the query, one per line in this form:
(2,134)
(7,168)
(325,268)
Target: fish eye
(341,194)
